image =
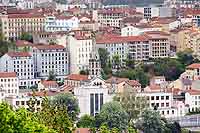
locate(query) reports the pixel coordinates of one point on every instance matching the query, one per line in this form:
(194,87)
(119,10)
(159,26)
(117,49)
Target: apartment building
(50,58)
(110,17)
(135,30)
(13,25)
(162,102)
(9,83)
(82,50)
(23,64)
(160,46)
(192,100)
(60,23)
(192,72)
(137,47)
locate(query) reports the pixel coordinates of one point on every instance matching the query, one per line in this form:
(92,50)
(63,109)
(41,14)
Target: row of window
(158,98)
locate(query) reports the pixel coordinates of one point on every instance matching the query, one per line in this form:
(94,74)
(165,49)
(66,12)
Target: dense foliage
(114,116)
(86,121)
(67,101)
(132,104)
(26,36)
(20,121)
(5,46)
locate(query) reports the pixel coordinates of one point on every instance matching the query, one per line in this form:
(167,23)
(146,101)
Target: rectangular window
(152,97)
(101,100)
(167,97)
(92,104)
(162,97)
(96,102)
(157,97)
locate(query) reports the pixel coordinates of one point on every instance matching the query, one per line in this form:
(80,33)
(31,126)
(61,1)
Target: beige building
(183,39)
(159,44)
(13,25)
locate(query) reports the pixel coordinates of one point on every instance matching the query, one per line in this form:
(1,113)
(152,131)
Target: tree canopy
(20,121)
(86,121)
(132,104)
(151,122)
(114,116)
(67,101)
(26,36)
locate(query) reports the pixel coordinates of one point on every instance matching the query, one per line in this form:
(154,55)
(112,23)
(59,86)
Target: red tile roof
(121,39)
(194,66)
(82,130)
(48,47)
(7,74)
(194,92)
(134,83)
(77,77)
(28,15)
(47,83)
(22,43)
(19,54)
(109,11)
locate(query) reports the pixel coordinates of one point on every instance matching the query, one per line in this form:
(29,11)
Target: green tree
(114,116)
(185,57)
(55,117)
(52,76)
(103,55)
(130,63)
(135,74)
(67,101)
(86,121)
(132,104)
(20,121)
(170,68)
(131,130)
(104,129)
(84,72)
(116,61)
(26,36)
(151,122)
(6,46)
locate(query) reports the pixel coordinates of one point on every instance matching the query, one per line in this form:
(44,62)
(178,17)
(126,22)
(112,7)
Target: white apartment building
(91,97)
(9,84)
(163,103)
(138,30)
(151,11)
(81,49)
(192,100)
(49,58)
(148,12)
(23,64)
(61,23)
